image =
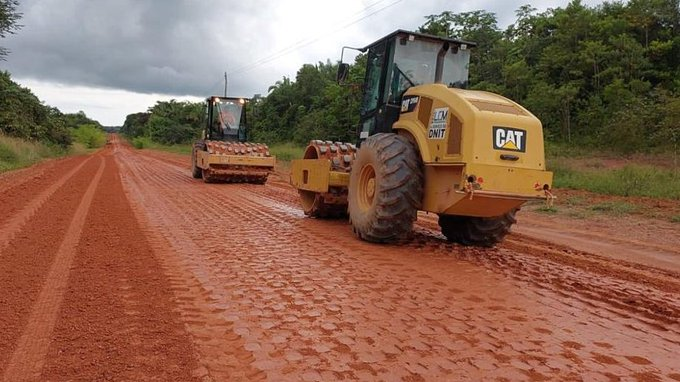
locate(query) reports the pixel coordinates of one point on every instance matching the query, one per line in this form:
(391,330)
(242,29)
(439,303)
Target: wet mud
(175,279)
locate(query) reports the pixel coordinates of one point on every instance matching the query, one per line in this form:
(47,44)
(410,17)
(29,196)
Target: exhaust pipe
(439,69)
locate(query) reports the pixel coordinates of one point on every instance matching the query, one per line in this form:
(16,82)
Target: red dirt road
(120,266)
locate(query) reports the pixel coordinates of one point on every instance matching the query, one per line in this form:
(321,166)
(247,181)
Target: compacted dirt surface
(119,266)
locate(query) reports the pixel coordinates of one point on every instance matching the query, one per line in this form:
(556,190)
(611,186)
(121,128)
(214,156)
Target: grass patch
(563,149)
(579,214)
(630,180)
(147,143)
(614,207)
(286,151)
(675,219)
(575,201)
(16,153)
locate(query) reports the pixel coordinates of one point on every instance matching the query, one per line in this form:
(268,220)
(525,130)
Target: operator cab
(402,60)
(226,119)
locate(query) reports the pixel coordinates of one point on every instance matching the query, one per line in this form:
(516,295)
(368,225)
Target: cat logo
(409,103)
(505,138)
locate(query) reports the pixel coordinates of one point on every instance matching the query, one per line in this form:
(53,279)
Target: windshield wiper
(404,75)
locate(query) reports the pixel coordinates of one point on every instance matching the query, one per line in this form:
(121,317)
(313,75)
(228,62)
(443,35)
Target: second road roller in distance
(425,143)
(224,154)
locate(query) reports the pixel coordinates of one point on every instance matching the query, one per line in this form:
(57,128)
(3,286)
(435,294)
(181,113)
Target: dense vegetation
(167,122)
(600,77)
(23,115)
(89,135)
(605,76)
(313,106)
(30,130)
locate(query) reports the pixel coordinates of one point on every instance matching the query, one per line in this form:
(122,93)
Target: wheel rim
(366,191)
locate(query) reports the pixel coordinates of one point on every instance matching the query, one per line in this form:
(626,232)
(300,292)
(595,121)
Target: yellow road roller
(426,143)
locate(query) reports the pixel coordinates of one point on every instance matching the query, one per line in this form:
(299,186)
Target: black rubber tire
(476,231)
(261,180)
(196,171)
(398,189)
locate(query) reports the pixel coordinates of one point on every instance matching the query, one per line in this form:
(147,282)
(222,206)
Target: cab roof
(421,36)
(228,98)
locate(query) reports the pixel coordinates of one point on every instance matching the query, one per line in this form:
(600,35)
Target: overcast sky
(113,58)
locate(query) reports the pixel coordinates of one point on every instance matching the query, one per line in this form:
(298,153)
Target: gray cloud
(170,47)
(182,47)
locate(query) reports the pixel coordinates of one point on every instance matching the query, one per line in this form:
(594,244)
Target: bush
(140,142)
(168,132)
(89,135)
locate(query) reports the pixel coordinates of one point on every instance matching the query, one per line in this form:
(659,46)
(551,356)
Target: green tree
(478,26)
(9,18)
(74,120)
(23,115)
(313,106)
(605,75)
(167,122)
(135,124)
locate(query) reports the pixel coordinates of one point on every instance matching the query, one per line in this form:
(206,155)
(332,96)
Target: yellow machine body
(233,162)
(316,175)
(205,160)
(482,153)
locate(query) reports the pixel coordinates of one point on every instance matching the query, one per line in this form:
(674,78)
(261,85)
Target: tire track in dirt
(474,255)
(656,308)
(593,235)
(167,158)
(118,319)
(18,181)
(664,279)
(313,303)
(221,350)
(660,305)
(14,224)
(17,178)
(623,286)
(623,299)
(29,356)
(661,308)
(27,258)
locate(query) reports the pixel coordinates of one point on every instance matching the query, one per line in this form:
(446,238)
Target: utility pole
(225,84)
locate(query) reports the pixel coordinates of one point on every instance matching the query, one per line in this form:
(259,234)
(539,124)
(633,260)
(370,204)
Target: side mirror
(343,71)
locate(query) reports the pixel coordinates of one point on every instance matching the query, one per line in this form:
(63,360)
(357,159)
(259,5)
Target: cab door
(372,112)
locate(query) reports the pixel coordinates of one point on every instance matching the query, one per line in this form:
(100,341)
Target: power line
(298,44)
(303,43)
